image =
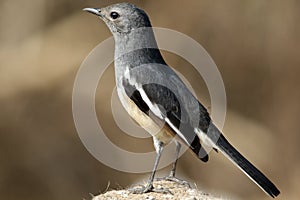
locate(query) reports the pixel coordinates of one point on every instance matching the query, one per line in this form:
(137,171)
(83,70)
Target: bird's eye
(114,15)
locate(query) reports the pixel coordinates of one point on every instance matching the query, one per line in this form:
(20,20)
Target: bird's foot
(141,189)
(174,179)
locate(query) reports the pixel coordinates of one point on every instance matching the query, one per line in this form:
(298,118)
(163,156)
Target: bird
(159,101)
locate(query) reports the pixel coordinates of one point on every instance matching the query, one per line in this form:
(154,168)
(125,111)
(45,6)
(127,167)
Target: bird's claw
(149,188)
(141,189)
(174,179)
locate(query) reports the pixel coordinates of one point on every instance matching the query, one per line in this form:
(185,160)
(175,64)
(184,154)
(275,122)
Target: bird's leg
(178,147)
(149,186)
(171,176)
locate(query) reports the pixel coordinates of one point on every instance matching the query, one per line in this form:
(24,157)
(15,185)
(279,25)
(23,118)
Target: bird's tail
(250,170)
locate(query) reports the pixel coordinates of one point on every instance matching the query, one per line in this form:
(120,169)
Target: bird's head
(122,18)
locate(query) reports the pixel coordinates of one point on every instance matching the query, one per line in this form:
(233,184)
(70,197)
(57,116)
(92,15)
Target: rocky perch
(177,191)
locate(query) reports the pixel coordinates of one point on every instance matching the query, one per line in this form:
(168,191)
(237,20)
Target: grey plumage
(153,93)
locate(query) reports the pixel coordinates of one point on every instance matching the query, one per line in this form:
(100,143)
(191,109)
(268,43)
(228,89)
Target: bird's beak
(95,11)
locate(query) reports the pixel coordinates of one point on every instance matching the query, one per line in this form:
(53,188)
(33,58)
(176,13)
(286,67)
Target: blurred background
(255,44)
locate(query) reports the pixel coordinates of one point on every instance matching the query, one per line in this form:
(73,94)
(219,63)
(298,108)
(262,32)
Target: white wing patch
(152,106)
(205,139)
(177,131)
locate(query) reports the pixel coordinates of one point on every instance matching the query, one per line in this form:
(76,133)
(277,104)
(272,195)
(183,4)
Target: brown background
(255,44)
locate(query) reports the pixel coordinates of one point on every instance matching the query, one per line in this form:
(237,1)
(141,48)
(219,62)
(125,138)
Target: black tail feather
(250,170)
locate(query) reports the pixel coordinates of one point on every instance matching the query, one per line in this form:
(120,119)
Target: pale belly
(155,126)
